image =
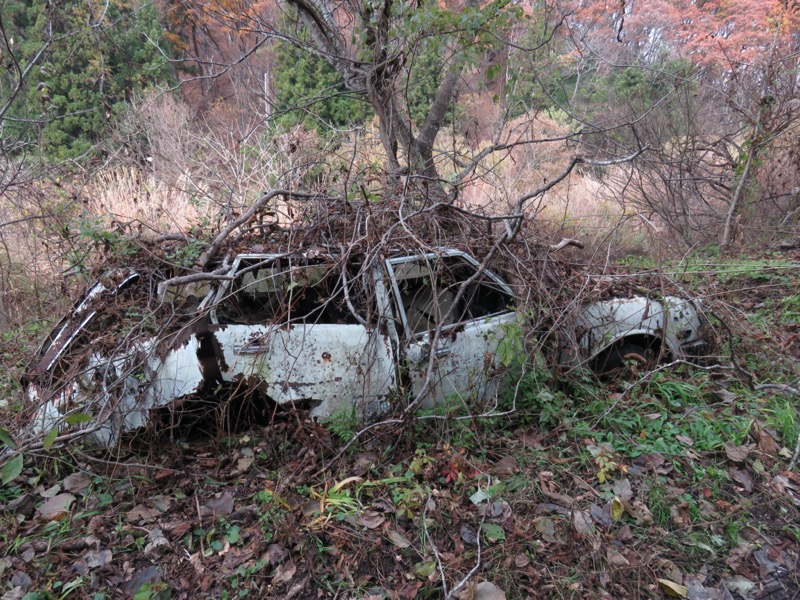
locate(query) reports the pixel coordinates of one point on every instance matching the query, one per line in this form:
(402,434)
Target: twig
(246,216)
(433,547)
(780,387)
(220,274)
(116,463)
(796,455)
(566,242)
(473,570)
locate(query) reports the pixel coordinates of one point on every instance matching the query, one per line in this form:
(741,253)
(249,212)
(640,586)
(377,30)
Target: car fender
(605,323)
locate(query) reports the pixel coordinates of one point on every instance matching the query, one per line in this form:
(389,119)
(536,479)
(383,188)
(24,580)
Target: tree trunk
(736,200)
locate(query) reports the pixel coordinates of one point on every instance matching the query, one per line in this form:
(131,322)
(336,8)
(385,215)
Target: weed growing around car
(671,483)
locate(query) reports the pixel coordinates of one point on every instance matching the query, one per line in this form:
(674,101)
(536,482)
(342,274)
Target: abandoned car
(310,328)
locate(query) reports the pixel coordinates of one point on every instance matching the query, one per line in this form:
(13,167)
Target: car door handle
(440,352)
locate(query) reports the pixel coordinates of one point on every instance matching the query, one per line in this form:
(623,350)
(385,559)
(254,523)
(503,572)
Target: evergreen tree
(96,57)
(309,91)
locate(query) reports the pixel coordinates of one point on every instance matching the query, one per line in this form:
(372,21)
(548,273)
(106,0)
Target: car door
(285,322)
(427,292)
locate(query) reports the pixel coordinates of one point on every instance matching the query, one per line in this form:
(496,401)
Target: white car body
(295,328)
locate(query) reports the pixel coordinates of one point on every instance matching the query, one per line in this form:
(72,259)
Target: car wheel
(616,357)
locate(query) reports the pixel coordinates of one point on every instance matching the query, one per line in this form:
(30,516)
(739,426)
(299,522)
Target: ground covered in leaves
(649,485)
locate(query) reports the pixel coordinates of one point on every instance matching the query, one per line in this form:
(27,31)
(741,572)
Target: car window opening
(428,294)
(288,293)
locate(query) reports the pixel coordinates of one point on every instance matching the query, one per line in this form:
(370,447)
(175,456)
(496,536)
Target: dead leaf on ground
(56,508)
(533,438)
(409,591)
(649,461)
(50,492)
(624,534)
(601,515)
(622,489)
(616,558)
(371,519)
(284,573)
(469,534)
(179,529)
(782,485)
(163,474)
(97,558)
(147,575)
(669,570)
(640,512)
(142,514)
(681,514)
(582,522)
(24,505)
(364,461)
(738,556)
(157,543)
(16,593)
(196,560)
(498,510)
(246,461)
(401,541)
(724,395)
(506,466)
(521,561)
(767,565)
(275,554)
(549,489)
(486,590)
(219,505)
(77,483)
(546,528)
(698,591)
(767,443)
(676,590)
(737,454)
(740,585)
(743,479)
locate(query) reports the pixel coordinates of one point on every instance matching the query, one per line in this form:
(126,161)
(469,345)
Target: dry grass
(123,195)
(581,206)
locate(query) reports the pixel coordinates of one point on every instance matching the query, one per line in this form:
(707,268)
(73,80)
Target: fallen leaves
(737,454)
(493,532)
(77,483)
(219,505)
(399,540)
(673,589)
(56,508)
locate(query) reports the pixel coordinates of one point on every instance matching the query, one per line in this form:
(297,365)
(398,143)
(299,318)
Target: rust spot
(208,355)
(326,357)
